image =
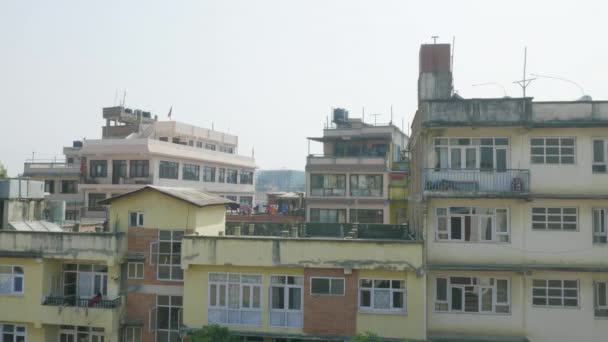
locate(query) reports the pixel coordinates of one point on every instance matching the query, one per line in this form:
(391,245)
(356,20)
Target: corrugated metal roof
(35,226)
(193,196)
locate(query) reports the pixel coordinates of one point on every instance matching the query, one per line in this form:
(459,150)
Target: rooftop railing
(322,230)
(514,181)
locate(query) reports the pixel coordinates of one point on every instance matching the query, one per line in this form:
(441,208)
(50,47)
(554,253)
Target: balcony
(82,302)
(476,182)
(367,162)
(52,168)
(106,247)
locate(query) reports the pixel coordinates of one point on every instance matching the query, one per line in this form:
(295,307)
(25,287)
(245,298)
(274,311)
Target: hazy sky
(270,71)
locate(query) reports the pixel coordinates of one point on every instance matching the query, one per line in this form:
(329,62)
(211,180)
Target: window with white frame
(132,334)
(12,333)
(472,224)
(135,270)
(327,286)
(472,294)
(84,281)
(555,293)
(286,297)
(600,295)
(11,279)
(235,298)
(136,219)
(71,333)
(553,150)
(600,155)
(168,318)
(471,153)
(191,172)
(169,247)
(600,222)
(553,218)
(387,295)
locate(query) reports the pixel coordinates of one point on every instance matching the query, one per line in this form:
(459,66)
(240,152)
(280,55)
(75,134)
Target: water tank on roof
(340,115)
(147,115)
(76,143)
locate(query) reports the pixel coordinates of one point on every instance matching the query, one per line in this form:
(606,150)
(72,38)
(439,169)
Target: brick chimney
(435,78)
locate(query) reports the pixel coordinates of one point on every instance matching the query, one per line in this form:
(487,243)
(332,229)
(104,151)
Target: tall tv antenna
(525,82)
(375,118)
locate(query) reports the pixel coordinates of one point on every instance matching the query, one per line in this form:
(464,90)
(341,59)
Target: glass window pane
(398,300)
(295,299)
(442,289)
(366,298)
(599,154)
(320,285)
(337,286)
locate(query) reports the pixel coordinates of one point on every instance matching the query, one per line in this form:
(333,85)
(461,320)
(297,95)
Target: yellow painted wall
(196,295)
(165,212)
(412,324)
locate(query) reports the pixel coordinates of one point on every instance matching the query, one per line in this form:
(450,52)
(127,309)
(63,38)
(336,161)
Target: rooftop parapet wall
(511,112)
(105,247)
(302,252)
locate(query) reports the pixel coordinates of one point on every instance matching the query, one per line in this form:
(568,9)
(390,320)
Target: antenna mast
(525,82)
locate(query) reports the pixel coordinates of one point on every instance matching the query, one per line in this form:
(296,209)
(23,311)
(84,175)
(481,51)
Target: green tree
(213,333)
(3,171)
(367,337)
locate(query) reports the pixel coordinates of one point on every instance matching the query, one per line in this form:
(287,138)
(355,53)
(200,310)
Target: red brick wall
(331,315)
(138,308)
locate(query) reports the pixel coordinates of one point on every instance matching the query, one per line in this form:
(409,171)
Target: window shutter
(153,260)
(152,319)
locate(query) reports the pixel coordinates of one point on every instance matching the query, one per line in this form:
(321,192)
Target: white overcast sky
(270,71)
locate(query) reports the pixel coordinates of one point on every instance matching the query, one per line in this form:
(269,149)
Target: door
(119,170)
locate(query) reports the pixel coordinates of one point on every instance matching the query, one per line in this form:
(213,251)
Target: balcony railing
(82,302)
(33,168)
(369,160)
(322,230)
(513,181)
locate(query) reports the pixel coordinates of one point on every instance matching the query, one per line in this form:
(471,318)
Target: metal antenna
(375,118)
(504,90)
(391,115)
(525,82)
(562,79)
(434,39)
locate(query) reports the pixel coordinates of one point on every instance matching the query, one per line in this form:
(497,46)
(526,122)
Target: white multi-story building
(349,182)
(136,150)
(512,197)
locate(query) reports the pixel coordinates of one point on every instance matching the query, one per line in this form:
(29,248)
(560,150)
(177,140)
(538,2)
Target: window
(327,286)
(600,223)
(246,201)
(246,177)
(286,301)
(139,168)
(600,156)
(168,169)
(366,216)
(190,142)
(99,168)
(327,185)
(226,149)
(382,295)
(221,175)
(71,333)
(169,255)
(328,215)
(135,270)
(235,298)
(166,139)
(69,186)
(552,150)
(136,219)
(168,318)
(472,294)
(13,333)
(209,146)
(84,281)
(132,334)
(199,144)
(49,186)
(487,154)
(191,172)
(474,224)
(94,199)
(209,174)
(231,176)
(366,185)
(600,294)
(554,218)
(11,279)
(559,293)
